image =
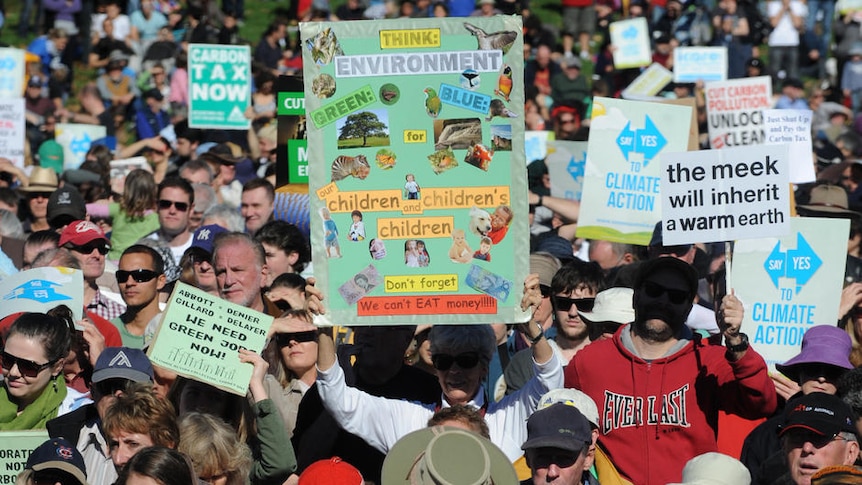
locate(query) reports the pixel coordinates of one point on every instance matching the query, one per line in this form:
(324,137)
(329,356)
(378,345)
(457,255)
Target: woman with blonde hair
(218,456)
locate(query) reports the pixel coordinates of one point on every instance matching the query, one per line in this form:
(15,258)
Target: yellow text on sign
(423,283)
(414,136)
(407,39)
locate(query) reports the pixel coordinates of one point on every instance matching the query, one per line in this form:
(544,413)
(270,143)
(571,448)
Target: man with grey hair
(819,431)
(240,268)
(205,197)
(226,216)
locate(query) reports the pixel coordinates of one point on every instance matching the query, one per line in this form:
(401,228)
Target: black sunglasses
(796,438)
(563,304)
(50,477)
(109,387)
(38,195)
(444,362)
(139,275)
(27,368)
(166,204)
(655,290)
(88,248)
(284,339)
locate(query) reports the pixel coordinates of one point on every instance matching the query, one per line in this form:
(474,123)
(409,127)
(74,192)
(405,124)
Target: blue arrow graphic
(626,140)
(650,140)
(775,264)
(800,263)
(576,167)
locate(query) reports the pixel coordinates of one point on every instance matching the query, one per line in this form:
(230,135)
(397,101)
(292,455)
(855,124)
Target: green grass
(371,141)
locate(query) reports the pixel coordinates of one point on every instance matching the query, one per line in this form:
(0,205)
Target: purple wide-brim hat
(822,344)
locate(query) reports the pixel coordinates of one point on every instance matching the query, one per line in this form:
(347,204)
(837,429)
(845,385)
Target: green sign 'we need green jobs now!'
(219,86)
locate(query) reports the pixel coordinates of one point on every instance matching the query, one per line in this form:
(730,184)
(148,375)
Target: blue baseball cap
(204,237)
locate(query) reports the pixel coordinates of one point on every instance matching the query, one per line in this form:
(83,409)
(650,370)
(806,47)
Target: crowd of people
(628,370)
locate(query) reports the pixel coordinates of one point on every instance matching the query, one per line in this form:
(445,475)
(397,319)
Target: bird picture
(502,40)
(504,83)
(432,102)
(499,109)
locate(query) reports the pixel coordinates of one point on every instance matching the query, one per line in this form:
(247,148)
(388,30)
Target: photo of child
(330,234)
(424,257)
(484,252)
(377,248)
(357,229)
(412,187)
(411,254)
(460,252)
(500,220)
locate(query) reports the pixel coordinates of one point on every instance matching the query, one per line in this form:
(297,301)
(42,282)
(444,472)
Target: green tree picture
(365,126)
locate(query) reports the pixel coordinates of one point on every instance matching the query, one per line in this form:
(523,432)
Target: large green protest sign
(200,337)
(416,169)
(219,86)
(15,448)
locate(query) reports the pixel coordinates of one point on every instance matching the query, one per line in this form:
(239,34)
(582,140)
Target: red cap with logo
(80,233)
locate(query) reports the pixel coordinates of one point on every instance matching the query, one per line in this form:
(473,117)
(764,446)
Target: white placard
(692,64)
(724,195)
(793,127)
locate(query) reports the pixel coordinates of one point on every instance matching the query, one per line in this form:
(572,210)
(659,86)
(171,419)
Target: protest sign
(12,130)
(292,146)
(724,195)
(648,84)
(76,140)
(219,86)
(693,133)
(793,127)
(621,200)
(735,111)
(631,40)
(416,153)
(692,64)
(15,449)
(566,161)
(11,73)
(200,336)
(536,144)
(790,284)
(41,289)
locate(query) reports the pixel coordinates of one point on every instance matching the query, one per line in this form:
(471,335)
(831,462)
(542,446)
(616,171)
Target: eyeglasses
(166,204)
(796,438)
(467,360)
(38,195)
(27,368)
(139,275)
(88,248)
(655,290)
(50,477)
(814,371)
(109,387)
(563,303)
(567,121)
(284,339)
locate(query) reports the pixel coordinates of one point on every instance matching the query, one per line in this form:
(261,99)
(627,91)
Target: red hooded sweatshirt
(654,416)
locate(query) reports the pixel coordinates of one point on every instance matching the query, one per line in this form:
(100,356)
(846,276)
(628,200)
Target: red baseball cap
(332,471)
(80,233)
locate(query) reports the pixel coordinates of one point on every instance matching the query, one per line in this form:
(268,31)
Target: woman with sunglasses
(134,216)
(460,355)
(32,361)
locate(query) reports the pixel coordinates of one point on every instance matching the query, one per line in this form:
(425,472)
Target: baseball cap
(58,454)
(79,233)
(558,426)
(332,471)
(822,413)
(35,81)
(653,265)
(123,363)
(572,397)
(204,237)
(64,206)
